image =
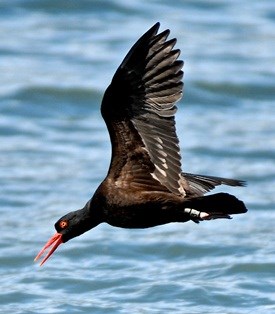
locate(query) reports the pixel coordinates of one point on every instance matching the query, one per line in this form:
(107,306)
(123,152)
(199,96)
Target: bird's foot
(198,216)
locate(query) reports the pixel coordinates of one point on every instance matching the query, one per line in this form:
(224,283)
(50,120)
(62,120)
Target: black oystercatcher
(145,186)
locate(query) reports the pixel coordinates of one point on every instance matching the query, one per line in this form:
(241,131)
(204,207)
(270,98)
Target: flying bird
(145,185)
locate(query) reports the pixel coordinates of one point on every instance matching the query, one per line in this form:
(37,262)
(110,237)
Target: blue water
(56,59)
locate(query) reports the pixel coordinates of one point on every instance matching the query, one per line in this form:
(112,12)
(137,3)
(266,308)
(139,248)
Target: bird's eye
(63,224)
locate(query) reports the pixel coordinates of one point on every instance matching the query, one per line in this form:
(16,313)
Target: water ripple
(56,60)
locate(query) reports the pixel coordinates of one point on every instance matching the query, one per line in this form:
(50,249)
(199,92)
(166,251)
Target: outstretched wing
(138,108)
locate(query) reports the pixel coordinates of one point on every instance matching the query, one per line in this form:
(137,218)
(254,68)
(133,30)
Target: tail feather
(221,205)
(200,184)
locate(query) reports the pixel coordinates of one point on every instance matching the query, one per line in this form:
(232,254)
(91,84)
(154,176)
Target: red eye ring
(63,224)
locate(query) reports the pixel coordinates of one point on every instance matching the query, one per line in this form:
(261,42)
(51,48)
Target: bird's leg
(197,215)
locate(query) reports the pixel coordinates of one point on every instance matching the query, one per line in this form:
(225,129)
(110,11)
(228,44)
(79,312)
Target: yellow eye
(63,224)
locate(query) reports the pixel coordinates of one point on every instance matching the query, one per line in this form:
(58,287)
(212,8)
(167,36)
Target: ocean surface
(56,59)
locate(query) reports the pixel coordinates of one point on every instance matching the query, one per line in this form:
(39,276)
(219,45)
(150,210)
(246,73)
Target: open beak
(54,241)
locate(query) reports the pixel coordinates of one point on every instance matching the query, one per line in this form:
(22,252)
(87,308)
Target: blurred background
(56,59)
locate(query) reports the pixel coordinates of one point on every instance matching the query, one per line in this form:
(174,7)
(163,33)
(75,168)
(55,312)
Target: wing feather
(138,108)
(200,184)
(141,98)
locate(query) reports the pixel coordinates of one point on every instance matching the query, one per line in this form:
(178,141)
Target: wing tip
(153,30)
(156,25)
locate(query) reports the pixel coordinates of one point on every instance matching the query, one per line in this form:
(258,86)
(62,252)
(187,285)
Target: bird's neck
(92,214)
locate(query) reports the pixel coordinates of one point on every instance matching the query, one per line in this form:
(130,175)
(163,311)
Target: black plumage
(145,185)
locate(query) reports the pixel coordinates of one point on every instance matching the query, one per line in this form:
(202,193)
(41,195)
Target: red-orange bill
(54,241)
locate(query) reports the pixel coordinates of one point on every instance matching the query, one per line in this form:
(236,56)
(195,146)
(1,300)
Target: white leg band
(192,212)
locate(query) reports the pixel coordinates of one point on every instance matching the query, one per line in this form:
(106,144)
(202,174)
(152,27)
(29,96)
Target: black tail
(219,205)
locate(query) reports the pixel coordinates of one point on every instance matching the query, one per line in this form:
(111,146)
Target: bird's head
(67,227)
